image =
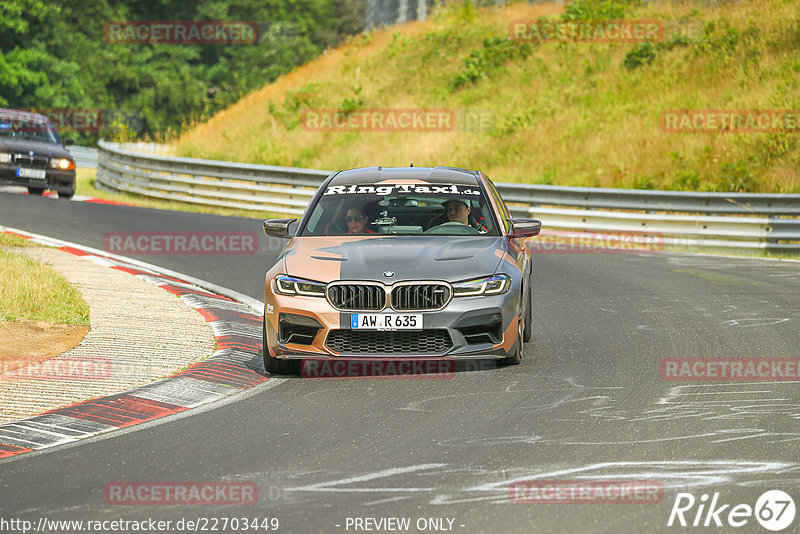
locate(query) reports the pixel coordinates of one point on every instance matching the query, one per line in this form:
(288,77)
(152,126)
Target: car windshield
(401,209)
(28,127)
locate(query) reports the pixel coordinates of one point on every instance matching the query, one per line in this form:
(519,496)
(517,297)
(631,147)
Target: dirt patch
(27,342)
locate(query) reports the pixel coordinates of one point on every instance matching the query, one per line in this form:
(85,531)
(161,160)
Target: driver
(457,210)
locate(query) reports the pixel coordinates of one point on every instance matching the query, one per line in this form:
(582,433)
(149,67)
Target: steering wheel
(450,228)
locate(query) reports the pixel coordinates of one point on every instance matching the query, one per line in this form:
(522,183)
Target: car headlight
(289,285)
(62,163)
(487,285)
(5,157)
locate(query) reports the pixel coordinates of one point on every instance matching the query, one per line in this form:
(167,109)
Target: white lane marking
(762,321)
(330,486)
(390,499)
(672,473)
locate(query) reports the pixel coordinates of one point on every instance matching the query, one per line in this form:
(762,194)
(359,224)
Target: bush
(495,52)
(642,54)
(598,9)
(120,132)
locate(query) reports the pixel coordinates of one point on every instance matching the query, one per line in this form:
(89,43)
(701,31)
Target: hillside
(568,113)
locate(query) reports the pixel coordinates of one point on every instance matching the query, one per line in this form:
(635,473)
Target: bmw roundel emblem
(30,152)
(388,274)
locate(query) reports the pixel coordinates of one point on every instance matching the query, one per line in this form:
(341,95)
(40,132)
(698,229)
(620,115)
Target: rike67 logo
(774,510)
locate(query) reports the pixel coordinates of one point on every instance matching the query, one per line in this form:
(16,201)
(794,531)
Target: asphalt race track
(587,403)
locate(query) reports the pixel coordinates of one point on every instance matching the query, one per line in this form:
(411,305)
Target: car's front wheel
(36,190)
(277,366)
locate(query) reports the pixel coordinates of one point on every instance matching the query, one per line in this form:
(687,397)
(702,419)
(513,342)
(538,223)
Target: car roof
(371,175)
(26,116)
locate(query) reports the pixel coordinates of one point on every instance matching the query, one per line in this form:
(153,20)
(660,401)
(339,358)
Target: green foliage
(53,54)
(787,39)
(735,177)
(120,132)
(686,178)
(642,182)
(513,122)
(350,105)
(645,53)
(399,43)
(293,104)
(598,9)
(774,146)
(495,52)
(720,39)
(642,54)
(466,11)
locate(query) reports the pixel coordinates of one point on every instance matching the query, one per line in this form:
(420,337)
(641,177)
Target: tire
(36,190)
(66,195)
(516,357)
(277,366)
(527,332)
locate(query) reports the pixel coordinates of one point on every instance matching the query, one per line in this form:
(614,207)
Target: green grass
(32,291)
(9,240)
(581,114)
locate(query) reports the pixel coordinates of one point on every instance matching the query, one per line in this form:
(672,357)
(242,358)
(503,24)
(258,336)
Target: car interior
(396,215)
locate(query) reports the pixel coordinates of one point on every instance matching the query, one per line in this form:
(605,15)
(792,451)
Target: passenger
(457,210)
(357,222)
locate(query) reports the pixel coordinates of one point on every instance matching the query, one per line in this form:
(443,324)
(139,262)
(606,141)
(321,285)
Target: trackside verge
(235,366)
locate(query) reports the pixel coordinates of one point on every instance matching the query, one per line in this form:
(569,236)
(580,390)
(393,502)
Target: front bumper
(478,327)
(60,180)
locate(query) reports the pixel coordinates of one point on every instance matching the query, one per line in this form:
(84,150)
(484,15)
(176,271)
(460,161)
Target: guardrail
(84,156)
(726,221)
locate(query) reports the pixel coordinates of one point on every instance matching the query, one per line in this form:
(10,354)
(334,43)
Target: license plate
(386,321)
(38,174)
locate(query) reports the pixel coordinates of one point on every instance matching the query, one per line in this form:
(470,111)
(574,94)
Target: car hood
(23,146)
(449,258)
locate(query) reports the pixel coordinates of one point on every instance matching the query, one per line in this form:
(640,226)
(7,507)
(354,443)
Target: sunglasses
(354,218)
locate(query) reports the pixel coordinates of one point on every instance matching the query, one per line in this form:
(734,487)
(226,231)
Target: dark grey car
(33,155)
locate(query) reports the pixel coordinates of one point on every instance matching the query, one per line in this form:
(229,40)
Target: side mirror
(520,228)
(69,141)
(278,228)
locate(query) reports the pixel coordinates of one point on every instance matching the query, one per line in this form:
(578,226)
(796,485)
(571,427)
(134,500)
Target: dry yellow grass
(565,114)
